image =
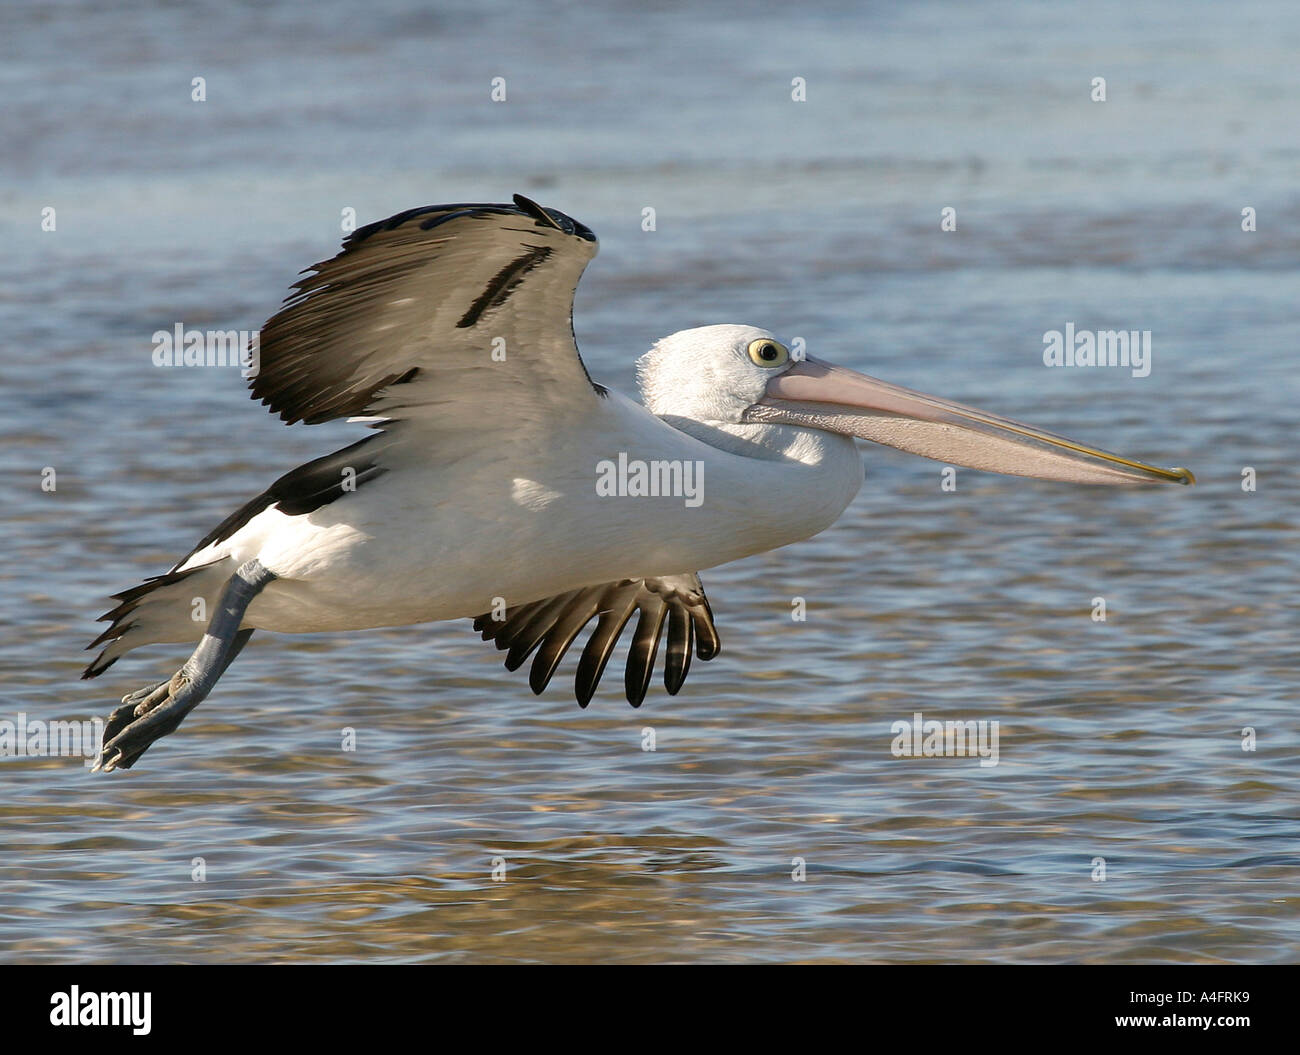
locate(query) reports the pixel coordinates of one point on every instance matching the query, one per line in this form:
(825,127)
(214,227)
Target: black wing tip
(432,216)
(551,625)
(554,218)
(97,667)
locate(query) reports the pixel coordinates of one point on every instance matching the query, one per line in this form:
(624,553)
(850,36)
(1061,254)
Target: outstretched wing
(553,623)
(452,316)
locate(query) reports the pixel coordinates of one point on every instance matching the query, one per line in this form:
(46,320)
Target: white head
(706,374)
(742,375)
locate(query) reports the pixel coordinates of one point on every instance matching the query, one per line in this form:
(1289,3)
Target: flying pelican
(503,484)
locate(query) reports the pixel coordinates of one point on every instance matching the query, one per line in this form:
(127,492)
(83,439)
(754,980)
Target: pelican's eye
(766,352)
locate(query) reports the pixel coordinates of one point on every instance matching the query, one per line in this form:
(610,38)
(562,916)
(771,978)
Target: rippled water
(1119,740)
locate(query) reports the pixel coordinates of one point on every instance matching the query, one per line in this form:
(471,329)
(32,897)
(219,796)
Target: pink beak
(818,395)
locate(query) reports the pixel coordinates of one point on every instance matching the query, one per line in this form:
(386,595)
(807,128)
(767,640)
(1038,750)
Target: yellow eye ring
(768,353)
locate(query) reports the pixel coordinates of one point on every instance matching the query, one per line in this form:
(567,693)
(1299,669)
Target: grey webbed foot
(150,713)
(146,715)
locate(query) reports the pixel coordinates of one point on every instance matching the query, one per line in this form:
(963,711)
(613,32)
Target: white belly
(429,541)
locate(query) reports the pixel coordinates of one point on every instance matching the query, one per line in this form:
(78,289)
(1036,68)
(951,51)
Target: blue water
(1119,741)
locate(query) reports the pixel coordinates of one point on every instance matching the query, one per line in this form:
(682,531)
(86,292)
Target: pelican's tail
(162,608)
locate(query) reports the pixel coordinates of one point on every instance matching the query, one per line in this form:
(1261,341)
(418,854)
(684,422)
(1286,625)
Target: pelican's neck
(754,440)
(783,483)
(765,441)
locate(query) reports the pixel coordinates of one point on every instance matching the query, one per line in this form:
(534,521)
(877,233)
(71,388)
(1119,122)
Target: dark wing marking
(305,489)
(418,300)
(550,626)
(302,490)
(503,284)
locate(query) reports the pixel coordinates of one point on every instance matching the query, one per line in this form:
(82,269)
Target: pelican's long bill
(819,395)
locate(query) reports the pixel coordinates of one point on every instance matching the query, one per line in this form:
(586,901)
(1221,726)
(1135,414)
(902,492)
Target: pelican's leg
(155,711)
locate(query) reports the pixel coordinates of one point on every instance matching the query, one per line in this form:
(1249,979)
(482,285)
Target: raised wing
(451,316)
(554,622)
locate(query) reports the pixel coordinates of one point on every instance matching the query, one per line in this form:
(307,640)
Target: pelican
(501,483)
